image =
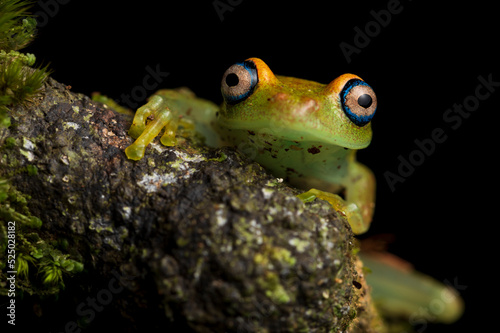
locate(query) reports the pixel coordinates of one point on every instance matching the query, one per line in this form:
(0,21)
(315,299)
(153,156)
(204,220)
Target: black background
(426,59)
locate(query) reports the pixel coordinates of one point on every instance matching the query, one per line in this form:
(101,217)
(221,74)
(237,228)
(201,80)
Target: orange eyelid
(264,72)
(335,87)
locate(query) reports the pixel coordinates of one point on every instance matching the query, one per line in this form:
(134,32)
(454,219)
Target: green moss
(273,289)
(222,157)
(22,265)
(87,117)
(299,244)
(17,29)
(4,188)
(181,242)
(41,266)
(4,117)
(32,170)
(282,256)
(19,82)
(13,206)
(9,143)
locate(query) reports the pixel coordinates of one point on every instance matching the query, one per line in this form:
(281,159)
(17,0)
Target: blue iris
(358,119)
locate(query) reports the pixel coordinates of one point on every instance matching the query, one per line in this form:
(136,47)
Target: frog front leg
(144,132)
(359,202)
(350,210)
(360,190)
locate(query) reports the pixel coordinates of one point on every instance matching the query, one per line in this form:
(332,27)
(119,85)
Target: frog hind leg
(401,292)
(144,132)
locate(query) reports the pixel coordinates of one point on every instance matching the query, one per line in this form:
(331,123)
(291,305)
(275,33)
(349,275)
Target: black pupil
(232,80)
(365,101)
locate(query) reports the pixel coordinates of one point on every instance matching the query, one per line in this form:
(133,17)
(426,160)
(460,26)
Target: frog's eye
(238,81)
(359,101)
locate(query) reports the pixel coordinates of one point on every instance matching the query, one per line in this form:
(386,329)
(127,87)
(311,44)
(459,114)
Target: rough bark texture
(204,239)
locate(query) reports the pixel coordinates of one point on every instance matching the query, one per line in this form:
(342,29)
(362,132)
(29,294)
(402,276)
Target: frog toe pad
(347,209)
(145,131)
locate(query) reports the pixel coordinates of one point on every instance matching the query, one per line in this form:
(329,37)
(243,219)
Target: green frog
(306,133)
(302,131)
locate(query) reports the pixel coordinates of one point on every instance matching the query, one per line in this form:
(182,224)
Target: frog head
(338,113)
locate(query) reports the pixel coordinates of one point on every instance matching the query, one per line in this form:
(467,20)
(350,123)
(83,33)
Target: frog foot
(349,210)
(144,132)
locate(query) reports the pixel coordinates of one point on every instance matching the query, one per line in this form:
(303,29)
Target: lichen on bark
(210,241)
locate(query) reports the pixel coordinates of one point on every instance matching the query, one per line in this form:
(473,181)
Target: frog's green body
(298,129)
